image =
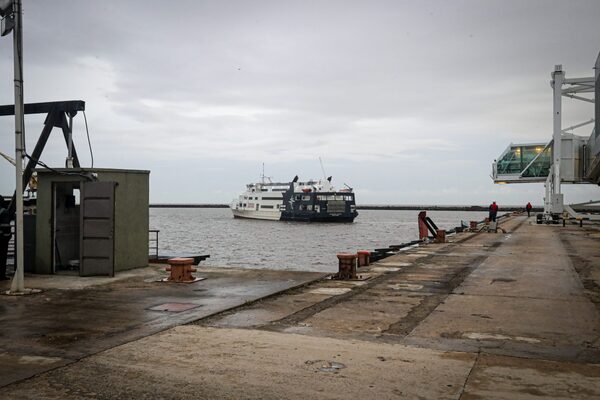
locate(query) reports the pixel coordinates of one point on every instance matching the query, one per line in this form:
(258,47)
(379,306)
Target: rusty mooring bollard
(363,258)
(440,236)
(181,269)
(422,225)
(347,266)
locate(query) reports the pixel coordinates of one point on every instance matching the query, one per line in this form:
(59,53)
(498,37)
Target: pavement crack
(464,387)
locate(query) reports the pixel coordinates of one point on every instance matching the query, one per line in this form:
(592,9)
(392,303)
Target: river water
(248,243)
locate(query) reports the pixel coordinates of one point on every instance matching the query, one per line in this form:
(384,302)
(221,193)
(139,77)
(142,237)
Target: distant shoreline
(370,207)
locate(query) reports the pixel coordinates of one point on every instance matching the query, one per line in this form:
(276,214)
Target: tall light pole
(18,282)
(12,13)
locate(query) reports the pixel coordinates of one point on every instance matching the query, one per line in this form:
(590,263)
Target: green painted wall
(131,216)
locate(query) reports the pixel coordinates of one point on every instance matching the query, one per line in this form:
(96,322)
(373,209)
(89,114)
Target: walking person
(528,207)
(5,235)
(493,211)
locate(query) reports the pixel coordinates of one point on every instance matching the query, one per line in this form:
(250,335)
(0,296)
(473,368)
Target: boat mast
(323,169)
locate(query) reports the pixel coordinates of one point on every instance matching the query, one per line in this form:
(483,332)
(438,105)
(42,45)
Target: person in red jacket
(528,207)
(493,211)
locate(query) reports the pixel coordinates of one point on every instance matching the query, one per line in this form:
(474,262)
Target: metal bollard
(347,266)
(440,236)
(181,269)
(422,225)
(363,258)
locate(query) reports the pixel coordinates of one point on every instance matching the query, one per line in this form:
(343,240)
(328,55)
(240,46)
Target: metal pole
(558,77)
(18,282)
(70,143)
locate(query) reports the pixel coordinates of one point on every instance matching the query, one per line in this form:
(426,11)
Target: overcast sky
(409,102)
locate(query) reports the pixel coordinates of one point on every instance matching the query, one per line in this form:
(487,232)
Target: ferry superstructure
(310,201)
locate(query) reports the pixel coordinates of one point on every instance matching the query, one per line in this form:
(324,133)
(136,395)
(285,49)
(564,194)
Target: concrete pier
(487,315)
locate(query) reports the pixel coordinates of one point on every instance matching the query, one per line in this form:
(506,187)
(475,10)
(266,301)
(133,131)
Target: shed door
(97,228)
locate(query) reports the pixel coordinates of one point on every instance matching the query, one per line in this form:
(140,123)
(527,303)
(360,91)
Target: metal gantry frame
(59,114)
(572,88)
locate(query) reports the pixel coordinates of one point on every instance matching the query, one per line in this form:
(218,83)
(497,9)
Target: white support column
(558,77)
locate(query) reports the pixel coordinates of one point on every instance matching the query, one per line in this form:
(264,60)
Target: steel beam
(69,106)
(69,140)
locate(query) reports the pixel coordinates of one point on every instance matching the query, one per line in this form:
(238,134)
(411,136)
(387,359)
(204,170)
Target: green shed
(91,221)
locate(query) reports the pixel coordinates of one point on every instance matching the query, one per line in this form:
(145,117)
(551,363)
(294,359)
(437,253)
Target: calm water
(285,245)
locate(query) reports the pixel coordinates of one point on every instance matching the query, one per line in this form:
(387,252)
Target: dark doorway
(66,227)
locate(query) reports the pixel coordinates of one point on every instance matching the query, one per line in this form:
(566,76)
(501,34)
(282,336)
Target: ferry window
(303,207)
(264,206)
(298,197)
(305,198)
(317,208)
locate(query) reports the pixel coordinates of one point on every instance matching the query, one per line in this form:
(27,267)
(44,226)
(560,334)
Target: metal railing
(153,242)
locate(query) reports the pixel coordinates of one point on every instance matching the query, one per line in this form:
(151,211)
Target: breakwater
(368,207)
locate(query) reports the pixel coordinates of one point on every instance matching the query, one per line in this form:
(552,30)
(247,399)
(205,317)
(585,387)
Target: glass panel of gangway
(540,168)
(518,157)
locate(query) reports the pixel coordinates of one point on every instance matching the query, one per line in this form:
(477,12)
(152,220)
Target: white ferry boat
(308,201)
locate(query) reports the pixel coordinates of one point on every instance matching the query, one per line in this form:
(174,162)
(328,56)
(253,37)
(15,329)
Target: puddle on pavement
(325,366)
(503,280)
(39,360)
(495,336)
(406,286)
(174,307)
(356,283)
(394,264)
(385,269)
(330,290)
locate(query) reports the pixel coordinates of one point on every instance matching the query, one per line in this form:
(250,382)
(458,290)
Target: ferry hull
(251,214)
(318,218)
(271,216)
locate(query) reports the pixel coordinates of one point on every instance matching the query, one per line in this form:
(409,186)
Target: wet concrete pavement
(75,317)
(500,316)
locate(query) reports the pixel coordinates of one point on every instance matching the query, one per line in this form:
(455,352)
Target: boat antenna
(322,169)
(262,177)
